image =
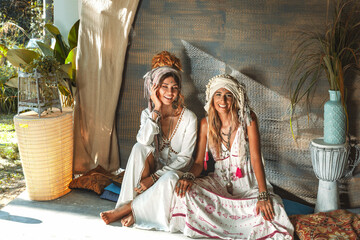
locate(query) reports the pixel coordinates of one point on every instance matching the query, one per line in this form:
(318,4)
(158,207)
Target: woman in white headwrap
(165,141)
(235,201)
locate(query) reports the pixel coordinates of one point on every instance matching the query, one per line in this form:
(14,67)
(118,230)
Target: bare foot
(116,214)
(128,221)
(110,216)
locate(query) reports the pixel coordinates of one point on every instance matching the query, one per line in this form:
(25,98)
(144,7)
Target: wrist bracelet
(158,116)
(157,112)
(263,196)
(154,178)
(188,176)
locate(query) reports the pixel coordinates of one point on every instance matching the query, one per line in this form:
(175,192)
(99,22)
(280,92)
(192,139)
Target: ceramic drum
(328,160)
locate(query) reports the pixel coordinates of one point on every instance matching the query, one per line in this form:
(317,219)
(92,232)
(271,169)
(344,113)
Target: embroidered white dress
(208,210)
(178,157)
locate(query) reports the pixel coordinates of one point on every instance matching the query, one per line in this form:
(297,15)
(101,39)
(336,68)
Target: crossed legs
(125,212)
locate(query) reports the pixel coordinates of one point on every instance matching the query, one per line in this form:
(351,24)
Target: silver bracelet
(263,196)
(188,176)
(157,112)
(154,178)
(158,117)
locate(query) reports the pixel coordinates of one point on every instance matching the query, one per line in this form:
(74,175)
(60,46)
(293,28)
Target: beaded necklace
(226,153)
(166,143)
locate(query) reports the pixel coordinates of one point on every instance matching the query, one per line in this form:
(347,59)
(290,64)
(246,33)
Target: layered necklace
(166,140)
(226,153)
(227,142)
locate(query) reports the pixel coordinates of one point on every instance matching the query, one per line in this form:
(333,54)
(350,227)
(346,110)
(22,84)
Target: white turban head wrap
(238,91)
(152,78)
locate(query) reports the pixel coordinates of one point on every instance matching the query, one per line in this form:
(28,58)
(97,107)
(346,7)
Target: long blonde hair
(215,124)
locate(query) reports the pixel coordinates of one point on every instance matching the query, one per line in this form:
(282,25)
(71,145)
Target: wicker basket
(46,151)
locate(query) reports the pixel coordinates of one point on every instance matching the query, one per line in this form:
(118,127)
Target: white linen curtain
(102,45)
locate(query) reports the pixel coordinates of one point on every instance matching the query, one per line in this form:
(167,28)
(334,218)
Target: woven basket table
(46,152)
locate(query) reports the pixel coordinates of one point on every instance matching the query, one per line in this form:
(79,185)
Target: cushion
(96,180)
(108,195)
(113,188)
(337,224)
(294,208)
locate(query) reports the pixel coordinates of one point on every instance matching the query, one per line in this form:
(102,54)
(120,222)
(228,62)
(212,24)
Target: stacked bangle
(154,177)
(188,176)
(157,112)
(264,196)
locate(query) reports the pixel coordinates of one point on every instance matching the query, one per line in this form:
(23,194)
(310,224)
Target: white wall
(66,13)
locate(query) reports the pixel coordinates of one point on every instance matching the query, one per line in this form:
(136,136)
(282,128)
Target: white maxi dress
(208,210)
(178,157)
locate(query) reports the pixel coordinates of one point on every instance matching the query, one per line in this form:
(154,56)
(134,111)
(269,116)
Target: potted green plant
(64,54)
(330,53)
(38,80)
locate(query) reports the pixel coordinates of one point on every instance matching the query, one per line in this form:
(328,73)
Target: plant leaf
(71,58)
(21,57)
(12,82)
(67,69)
(45,49)
(52,29)
(73,35)
(61,50)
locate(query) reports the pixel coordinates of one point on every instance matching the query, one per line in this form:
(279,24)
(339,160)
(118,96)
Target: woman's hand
(155,99)
(183,186)
(144,185)
(266,209)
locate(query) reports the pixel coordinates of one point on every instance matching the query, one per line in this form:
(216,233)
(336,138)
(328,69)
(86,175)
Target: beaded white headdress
(237,89)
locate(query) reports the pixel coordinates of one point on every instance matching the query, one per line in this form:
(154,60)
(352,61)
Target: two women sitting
(160,190)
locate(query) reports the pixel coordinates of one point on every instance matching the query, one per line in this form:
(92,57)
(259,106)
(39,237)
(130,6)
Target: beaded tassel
(206,160)
(239,173)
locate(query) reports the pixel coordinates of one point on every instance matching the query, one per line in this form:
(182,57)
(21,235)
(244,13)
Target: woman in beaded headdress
(166,139)
(236,200)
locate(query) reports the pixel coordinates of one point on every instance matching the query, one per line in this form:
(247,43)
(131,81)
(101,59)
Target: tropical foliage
(26,14)
(20,21)
(47,60)
(8,95)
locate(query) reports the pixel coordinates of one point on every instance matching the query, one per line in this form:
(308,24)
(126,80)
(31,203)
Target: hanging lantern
(37,92)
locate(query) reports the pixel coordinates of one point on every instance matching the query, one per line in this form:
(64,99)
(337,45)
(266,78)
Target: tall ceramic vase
(334,120)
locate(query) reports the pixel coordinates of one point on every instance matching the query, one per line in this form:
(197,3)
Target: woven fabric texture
(253,42)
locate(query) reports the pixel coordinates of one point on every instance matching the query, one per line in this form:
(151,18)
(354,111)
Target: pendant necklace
(228,135)
(226,177)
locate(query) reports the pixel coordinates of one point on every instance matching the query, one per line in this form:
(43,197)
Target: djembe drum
(329,163)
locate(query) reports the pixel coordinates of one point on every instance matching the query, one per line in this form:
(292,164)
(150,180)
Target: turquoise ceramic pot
(334,120)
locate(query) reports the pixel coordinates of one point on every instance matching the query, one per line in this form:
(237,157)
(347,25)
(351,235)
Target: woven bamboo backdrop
(253,40)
